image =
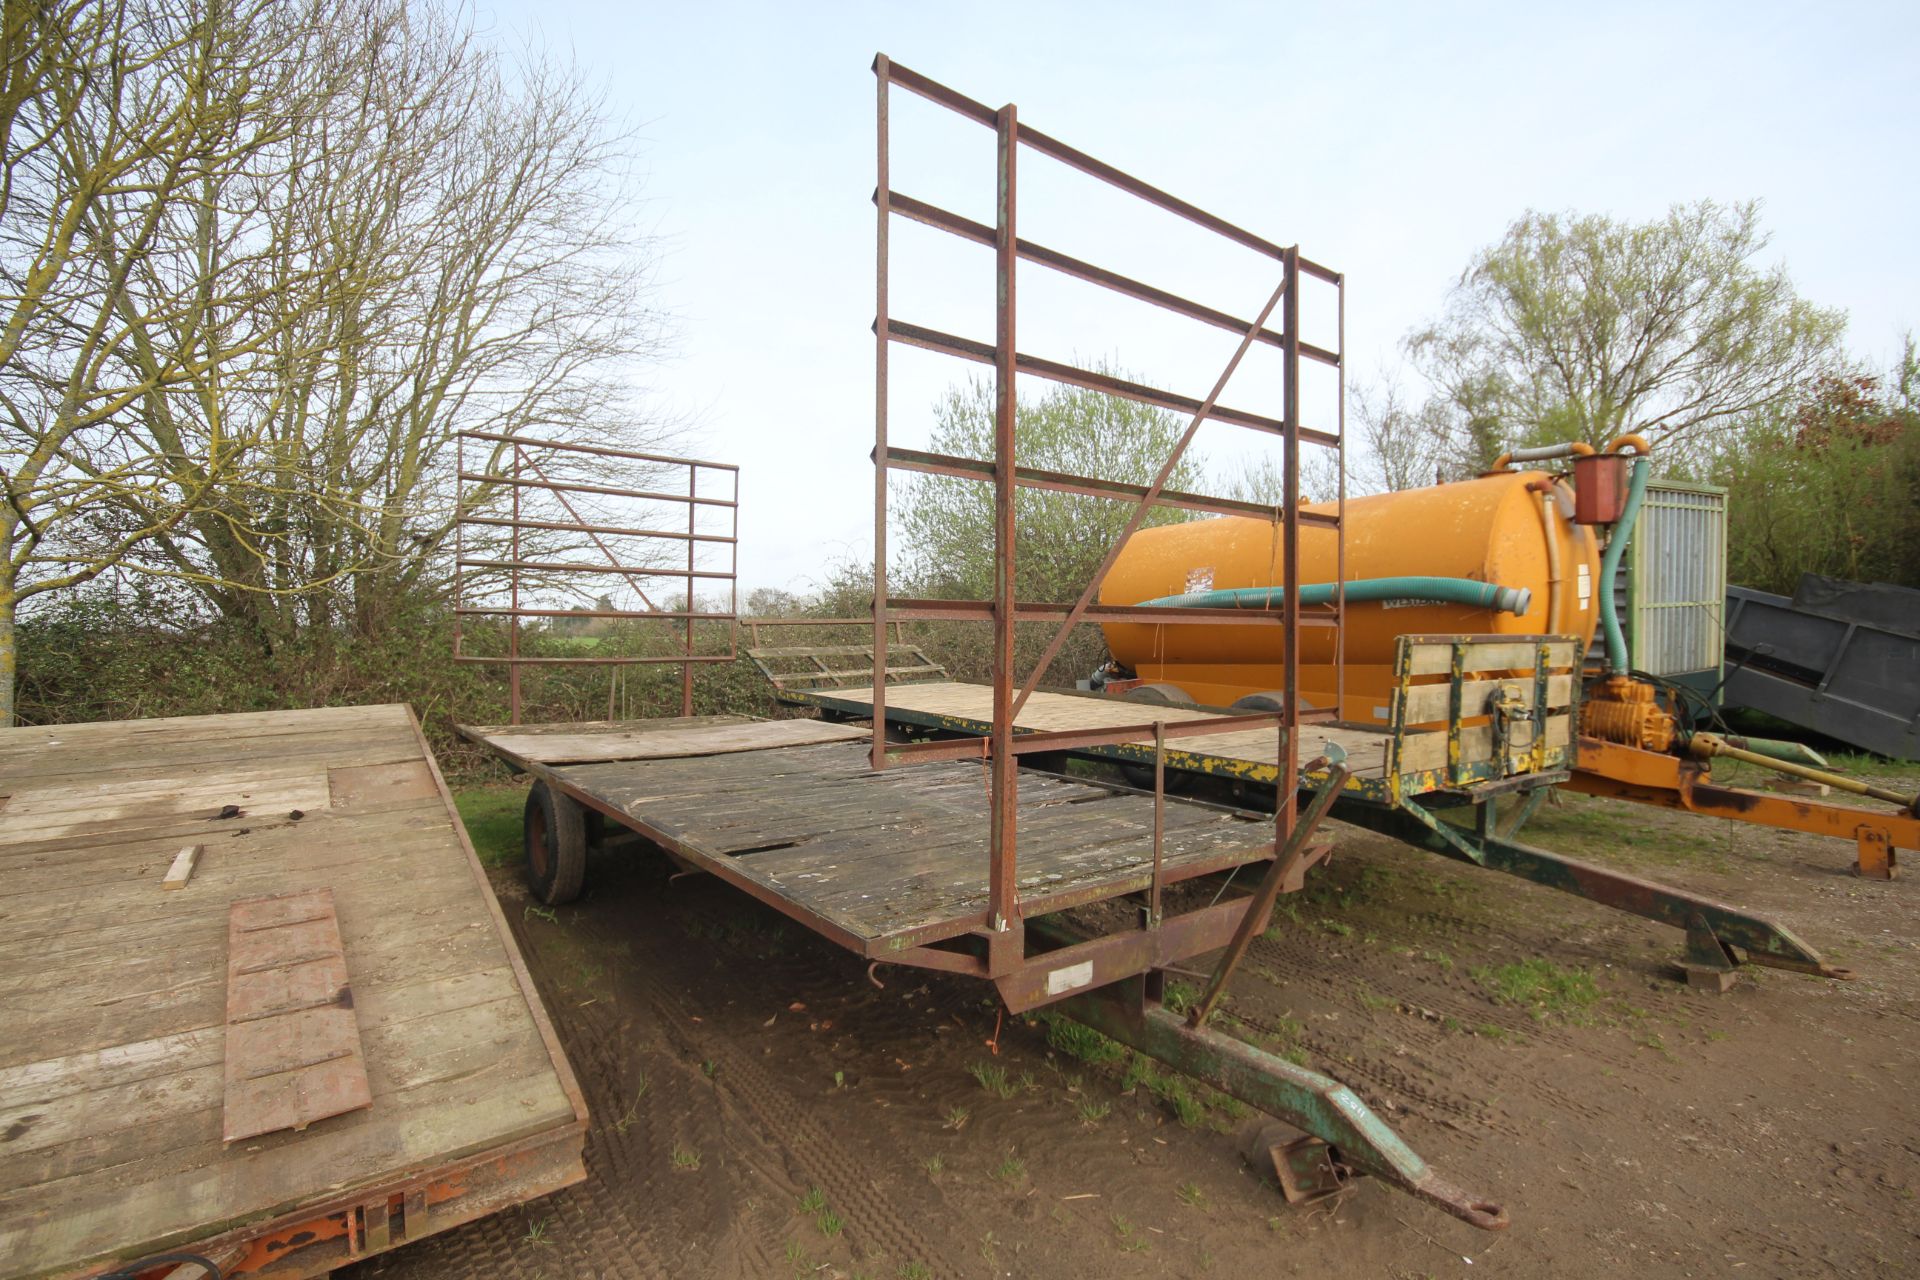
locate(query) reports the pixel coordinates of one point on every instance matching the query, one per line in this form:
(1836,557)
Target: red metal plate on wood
(293,1046)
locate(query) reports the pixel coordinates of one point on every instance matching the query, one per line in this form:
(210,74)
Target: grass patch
(993,1079)
(1011,1170)
(685,1157)
(492,817)
(1078,1040)
(1128,1235)
(1092,1112)
(1191,1195)
(1541,987)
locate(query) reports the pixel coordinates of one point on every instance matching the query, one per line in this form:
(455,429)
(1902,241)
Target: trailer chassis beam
(1359,1141)
(1761,941)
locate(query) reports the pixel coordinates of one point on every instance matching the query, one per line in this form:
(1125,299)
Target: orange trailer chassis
(1668,782)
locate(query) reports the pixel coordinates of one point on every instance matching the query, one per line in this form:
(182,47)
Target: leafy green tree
(1828,485)
(1584,327)
(946,525)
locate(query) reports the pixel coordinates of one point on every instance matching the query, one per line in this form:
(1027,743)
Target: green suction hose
(1461,591)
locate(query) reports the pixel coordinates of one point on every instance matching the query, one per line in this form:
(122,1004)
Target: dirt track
(734,1063)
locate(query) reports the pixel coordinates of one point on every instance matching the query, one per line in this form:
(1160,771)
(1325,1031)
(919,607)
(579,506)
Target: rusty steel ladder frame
(1110,982)
(475,488)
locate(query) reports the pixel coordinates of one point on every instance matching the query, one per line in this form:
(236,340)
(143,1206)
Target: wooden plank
(660,724)
(182,869)
(1436,658)
(1428,703)
(293,1047)
(1424,751)
(756,735)
(369,786)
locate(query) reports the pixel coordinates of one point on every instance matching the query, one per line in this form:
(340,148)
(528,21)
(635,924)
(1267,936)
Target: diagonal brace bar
(1305,1099)
(1146,501)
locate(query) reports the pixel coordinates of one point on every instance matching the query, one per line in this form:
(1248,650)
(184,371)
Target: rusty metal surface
(293,1047)
(1010,689)
(506,464)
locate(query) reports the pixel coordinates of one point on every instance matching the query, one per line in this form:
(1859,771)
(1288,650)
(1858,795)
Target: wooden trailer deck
(790,811)
(127,1055)
(1384,762)
(1250,753)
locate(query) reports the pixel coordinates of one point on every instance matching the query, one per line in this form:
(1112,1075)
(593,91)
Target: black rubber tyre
(1140,776)
(1269,700)
(1159,695)
(554,835)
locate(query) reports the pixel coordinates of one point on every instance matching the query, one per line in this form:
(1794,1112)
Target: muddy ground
(760,1108)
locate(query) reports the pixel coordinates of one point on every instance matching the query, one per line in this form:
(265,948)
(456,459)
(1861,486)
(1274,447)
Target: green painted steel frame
(1317,1104)
(1763,941)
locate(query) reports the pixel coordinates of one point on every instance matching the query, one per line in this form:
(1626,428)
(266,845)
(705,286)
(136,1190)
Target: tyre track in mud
(874,1224)
(1423,999)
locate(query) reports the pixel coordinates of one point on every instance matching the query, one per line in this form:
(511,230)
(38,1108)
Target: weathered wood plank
(293,1048)
(182,869)
(1427,703)
(1436,659)
(704,740)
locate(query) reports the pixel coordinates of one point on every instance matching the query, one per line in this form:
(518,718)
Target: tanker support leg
(1713,929)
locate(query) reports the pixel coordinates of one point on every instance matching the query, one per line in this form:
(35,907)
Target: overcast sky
(1388,141)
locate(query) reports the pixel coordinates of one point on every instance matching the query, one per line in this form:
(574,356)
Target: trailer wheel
(1140,776)
(1159,695)
(1269,700)
(555,836)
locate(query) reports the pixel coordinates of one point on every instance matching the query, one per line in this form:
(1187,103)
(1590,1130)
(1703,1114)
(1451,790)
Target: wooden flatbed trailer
(126,1063)
(893,865)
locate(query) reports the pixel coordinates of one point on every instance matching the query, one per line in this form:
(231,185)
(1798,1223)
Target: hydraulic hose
(1461,591)
(1616,547)
(1708,745)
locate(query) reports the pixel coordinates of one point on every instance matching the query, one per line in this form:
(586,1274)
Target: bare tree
(482,273)
(1401,445)
(126,122)
(263,260)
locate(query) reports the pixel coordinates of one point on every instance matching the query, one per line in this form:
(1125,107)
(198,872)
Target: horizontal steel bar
(597,450)
(568,486)
(623,661)
(943,464)
(564,567)
(806,622)
(982,611)
(934,91)
(914,335)
(933,215)
(478,612)
(561,526)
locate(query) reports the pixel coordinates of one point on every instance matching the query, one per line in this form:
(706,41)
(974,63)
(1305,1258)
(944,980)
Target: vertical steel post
(1005,780)
(883,203)
(693,517)
(1287,797)
(1340,546)
(1159,818)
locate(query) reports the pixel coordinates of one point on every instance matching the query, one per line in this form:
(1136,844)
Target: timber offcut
(319,1044)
